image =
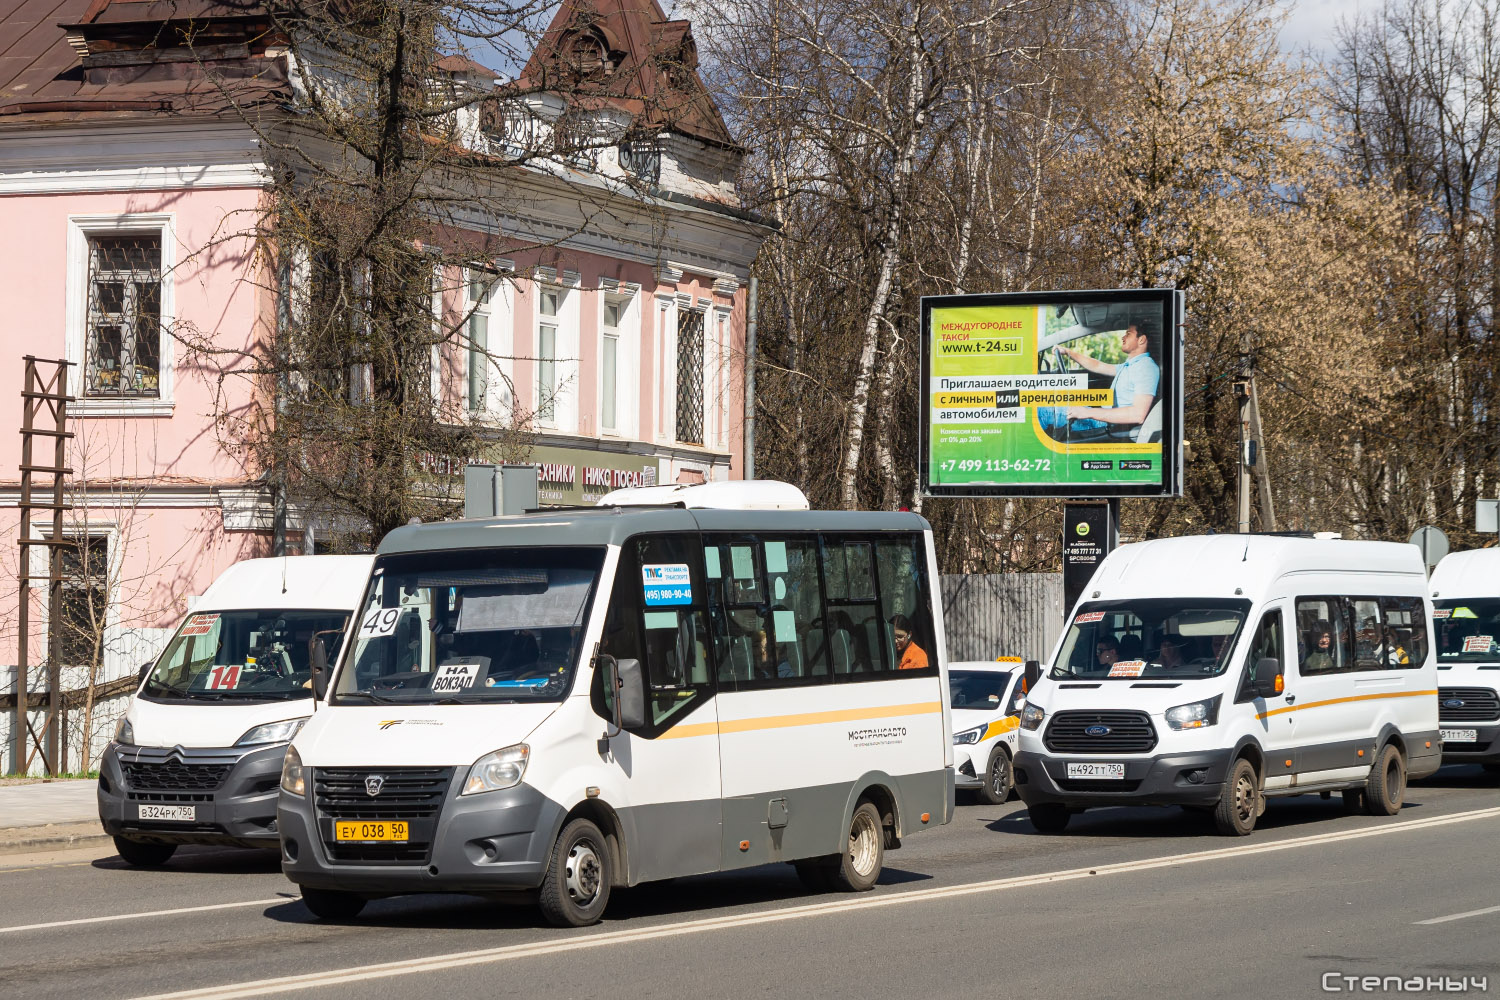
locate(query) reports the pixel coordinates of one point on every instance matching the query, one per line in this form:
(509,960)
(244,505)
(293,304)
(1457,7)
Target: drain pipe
(750,379)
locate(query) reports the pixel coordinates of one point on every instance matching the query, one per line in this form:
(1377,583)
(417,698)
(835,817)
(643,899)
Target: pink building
(121,176)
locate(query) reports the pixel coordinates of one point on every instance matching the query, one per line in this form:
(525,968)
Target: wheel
(140,854)
(1049,817)
(997,778)
(331,904)
(1385,788)
(859,866)
(576,888)
(815,875)
(1239,802)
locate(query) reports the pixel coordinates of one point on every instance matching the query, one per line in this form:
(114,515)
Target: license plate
(1105,771)
(174,814)
(389,830)
(1460,735)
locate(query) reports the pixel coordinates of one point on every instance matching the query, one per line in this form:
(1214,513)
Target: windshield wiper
(371,697)
(271,695)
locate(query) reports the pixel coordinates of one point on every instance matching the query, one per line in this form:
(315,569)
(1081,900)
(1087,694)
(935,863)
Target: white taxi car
(986,700)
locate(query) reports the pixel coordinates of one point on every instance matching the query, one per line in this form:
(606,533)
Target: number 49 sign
(379,622)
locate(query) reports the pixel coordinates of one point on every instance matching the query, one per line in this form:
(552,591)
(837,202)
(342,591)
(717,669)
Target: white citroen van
(197,757)
(1218,671)
(1466,631)
(558,703)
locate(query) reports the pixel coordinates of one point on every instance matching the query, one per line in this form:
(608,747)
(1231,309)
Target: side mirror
(144,671)
(1268,677)
(1032,673)
(630,694)
(318,656)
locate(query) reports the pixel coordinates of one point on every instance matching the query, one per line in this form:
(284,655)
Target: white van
(559,703)
(1466,630)
(985,698)
(197,757)
(1218,671)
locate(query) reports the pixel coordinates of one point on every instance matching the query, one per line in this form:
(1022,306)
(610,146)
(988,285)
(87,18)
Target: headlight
(970,735)
(125,732)
(494,771)
(1196,715)
(272,732)
(1032,716)
(292,778)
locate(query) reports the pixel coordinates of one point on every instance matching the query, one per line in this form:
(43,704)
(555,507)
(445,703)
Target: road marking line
(37,868)
(1460,916)
(150,913)
(452,960)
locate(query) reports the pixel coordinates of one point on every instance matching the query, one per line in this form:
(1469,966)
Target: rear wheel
(997,778)
(576,888)
(858,868)
(1049,817)
(1386,787)
(1239,802)
(331,904)
(140,854)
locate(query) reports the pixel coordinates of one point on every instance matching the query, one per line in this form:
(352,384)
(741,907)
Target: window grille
(83,601)
(124,316)
(690,377)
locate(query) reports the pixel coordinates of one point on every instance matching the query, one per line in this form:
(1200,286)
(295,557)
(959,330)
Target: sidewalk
(38,815)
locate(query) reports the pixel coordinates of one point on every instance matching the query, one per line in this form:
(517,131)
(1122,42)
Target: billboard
(1062,394)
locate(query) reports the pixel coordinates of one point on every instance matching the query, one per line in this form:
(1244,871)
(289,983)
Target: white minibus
(1466,627)
(196,759)
(1215,672)
(559,703)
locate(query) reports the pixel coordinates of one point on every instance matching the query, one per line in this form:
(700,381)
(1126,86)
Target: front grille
(174,776)
(413,794)
(1479,705)
(173,798)
(1088,785)
(1129,732)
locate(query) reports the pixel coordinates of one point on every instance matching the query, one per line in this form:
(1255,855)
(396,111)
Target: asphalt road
(1126,903)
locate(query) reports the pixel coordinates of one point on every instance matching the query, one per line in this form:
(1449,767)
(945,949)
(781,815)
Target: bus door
(657,615)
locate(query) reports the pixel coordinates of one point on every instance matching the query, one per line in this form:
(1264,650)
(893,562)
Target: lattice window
(123,340)
(690,377)
(84,601)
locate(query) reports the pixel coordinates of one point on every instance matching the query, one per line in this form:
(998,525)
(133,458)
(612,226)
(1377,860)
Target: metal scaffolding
(49,399)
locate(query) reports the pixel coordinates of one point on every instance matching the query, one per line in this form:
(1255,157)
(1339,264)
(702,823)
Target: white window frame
(685,303)
(626,295)
(548,414)
(718,375)
(499,309)
(666,366)
(76,308)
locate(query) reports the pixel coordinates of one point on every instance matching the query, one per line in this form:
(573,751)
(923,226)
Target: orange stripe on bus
(1341,701)
(801,719)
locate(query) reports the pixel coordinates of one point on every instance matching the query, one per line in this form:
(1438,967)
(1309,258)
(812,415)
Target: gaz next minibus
(1215,672)
(1466,627)
(559,703)
(197,757)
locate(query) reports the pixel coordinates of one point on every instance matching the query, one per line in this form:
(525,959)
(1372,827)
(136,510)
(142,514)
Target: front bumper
(493,842)
(238,809)
(968,767)
(1484,750)
(1149,781)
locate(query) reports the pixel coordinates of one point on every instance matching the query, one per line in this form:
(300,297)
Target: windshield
(1467,630)
(483,625)
(1169,637)
(262,655)
(977,689)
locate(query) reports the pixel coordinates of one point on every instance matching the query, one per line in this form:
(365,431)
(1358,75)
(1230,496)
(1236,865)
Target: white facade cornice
(87,158)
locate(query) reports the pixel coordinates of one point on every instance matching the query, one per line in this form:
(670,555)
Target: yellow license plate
(396,830)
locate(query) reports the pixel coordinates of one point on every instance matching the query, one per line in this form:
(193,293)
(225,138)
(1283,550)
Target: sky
(1312,23)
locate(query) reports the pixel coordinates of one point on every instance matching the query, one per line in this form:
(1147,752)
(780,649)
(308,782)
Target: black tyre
(1049,817)
(1385,789)
(1239,802)
(998,780)
(816,875)
(143,855)
(331,904)
(858,867)
(1354,800)
(576,888)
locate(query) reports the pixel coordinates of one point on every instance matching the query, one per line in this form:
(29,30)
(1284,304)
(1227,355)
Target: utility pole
(1246,458)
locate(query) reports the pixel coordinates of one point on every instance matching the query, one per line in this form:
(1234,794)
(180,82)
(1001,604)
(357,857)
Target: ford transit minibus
(197,757)
(1466,633)
(1216,672)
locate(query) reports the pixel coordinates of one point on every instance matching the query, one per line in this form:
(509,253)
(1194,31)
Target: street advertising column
(1060,394)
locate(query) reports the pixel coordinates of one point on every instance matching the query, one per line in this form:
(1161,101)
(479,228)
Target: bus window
(903,595)
(766,614)
(853,622)
(1405,631)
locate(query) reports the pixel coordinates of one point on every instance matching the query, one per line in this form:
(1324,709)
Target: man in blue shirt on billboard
(1136,381)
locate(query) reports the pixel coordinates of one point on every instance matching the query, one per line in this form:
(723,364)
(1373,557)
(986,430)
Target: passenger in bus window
(1106,652)
(1170,653)
(1319,657)
(912,656)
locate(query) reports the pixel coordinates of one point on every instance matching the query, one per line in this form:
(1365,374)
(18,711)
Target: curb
(52,836)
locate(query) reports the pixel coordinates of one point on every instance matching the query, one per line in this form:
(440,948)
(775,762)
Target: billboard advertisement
(1064,394)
